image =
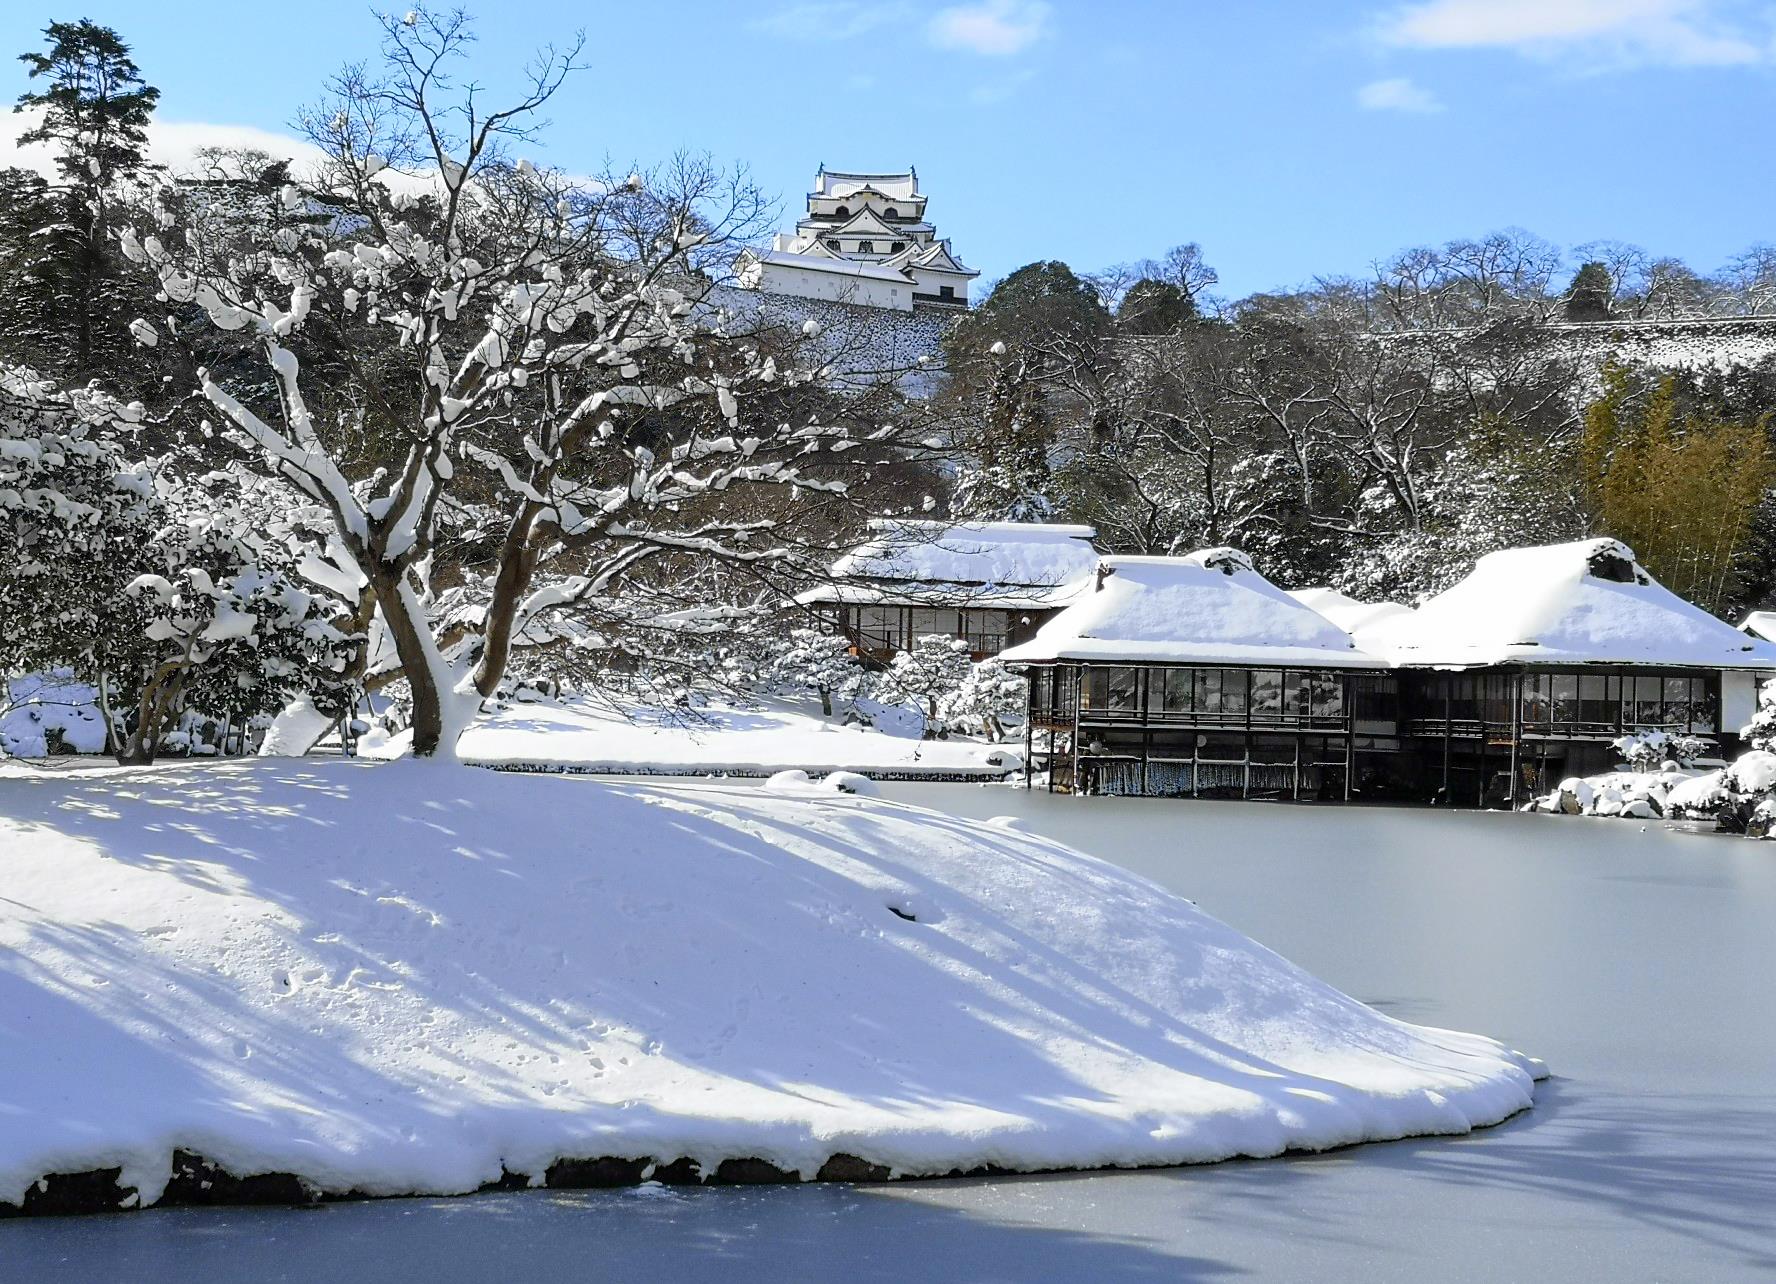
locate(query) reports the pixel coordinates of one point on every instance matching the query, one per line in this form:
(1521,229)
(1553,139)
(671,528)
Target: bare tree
(576,405)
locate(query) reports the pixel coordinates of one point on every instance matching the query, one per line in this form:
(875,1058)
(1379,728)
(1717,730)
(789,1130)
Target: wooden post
(1078,701)
(1030,721)
(1146,727)
(1448,713)
(1350,737)
(1516,735)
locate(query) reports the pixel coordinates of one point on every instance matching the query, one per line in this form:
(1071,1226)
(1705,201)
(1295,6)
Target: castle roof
(901,186)
(817,258)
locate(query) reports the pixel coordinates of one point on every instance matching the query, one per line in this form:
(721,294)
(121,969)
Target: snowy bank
(402,978)
(595,739)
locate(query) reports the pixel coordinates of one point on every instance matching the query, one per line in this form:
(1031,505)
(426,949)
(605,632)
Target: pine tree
(936,665)
(1588,298)
(96,109)
(987,696)
(1011,480)
(813,660)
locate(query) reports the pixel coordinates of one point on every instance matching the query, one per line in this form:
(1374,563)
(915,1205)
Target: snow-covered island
(385,979)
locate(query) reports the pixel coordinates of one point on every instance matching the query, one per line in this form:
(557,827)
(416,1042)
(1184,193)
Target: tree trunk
(517,568)
(411,634)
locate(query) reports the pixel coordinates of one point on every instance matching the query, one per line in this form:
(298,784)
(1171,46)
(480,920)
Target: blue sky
(1289,138)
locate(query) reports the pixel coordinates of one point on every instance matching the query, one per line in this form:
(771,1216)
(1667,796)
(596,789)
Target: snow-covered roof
(1760,624)
(1017,565)
(818,261)
(1349,614)
(1210,607)
(1587,602)
(832,182)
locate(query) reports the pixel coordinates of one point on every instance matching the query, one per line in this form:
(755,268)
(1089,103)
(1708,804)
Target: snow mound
(581,736)
(408,978)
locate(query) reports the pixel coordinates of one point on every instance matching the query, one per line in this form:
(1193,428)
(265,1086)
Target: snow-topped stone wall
(1694,344)
(861,342)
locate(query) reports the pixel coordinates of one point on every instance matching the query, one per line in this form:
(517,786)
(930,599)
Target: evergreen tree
(1155,307)
(926,674)
(27,294)
(1010,478)
(1588,298)
(96,109)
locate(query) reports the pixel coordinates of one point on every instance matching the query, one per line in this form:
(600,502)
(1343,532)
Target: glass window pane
(1537,695)
(1233,691)
(1267,693)
(1648,701)
(1703,716)
(1594,703)
(1328,696)
(1097,689)
(1565,697)
(1179,684)
(1208,691)
(1124,686)
(1295,694)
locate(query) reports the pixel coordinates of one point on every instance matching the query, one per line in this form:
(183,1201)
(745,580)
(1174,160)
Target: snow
(781,735)
(1760,624)
(1548,605)
(1347,612)
(39,705)
(406,978)
(1209,607)
(1018,565)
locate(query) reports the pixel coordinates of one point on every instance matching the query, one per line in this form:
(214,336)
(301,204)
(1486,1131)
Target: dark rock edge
(196,1182)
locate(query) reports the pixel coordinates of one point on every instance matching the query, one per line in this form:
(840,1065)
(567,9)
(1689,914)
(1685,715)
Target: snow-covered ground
(394,978)
(775,736)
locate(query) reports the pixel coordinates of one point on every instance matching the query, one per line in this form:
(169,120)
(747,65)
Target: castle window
(898,246)
(946,291)
(832,243)
(844,211)
(891,212)
(866,247)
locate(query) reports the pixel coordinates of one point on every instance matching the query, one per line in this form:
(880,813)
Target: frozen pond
(1639,962)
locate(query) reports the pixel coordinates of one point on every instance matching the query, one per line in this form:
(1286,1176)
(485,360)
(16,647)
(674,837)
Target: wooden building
(992,583)
(1196,676)
(1529,669)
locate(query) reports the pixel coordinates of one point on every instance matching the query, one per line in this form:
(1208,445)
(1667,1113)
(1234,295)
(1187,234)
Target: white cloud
(172,143)
(1397,94)
(827,19)
(996,28)
(1673,32)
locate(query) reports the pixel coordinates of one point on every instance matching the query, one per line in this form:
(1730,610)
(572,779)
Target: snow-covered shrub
(935,666)
(813,660)
(988,696)
(1648,750)
(1748,788)
(49,713)
(1760,732)
(227,626)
